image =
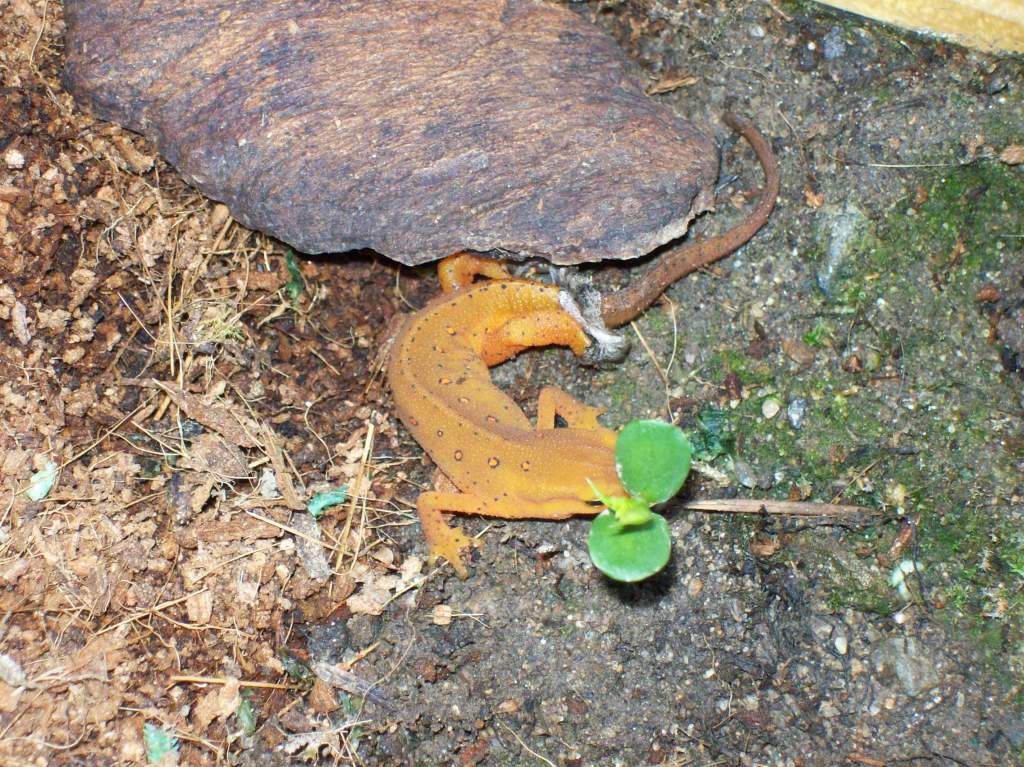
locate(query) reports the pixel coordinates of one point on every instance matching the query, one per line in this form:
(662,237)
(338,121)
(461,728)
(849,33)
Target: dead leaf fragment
(135,160)
(1013,154)
(765,546)
(212,454)
(669,84)
(154,241)
(321,698)
(509,706)
(812,198)
(798,351)
(441,615)
(227,420)
(220,702)
(200,607)
(988,293)
(309,547)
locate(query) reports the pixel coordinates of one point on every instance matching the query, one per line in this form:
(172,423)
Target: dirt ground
(189,385)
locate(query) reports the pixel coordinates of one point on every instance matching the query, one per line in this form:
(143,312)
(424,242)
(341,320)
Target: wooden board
(991,25)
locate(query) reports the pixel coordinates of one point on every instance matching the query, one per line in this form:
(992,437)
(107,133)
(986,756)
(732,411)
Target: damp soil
(194,384)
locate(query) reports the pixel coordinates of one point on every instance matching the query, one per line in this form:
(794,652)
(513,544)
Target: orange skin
(492,461)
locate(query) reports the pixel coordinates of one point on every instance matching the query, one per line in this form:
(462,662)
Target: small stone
(694,587)
(770,407)
(750,477)
(744,474)
(796,411)
(756,31)
(840,230)
(362,630)
(909,661)
(833,44)
(996,83)
(840,644)
(828,710)
(14,159)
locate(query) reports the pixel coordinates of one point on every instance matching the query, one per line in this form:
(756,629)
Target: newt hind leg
(552,402)
(444,541)
(458,271)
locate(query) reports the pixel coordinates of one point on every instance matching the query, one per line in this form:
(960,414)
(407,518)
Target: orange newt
(492,461)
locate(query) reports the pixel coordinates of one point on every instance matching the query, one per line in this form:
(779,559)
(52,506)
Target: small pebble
(756,31)
(770,407)
(744,474)
(14,159)
(796,411)
(694,587)
(834,45)
(840,644)
(996,83)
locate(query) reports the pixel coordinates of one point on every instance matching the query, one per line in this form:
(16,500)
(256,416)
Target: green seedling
(322,502)
(296,670)
(819,335)
(628,541)
(159,742)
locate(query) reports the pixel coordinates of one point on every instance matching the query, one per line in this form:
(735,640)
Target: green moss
(728,360)
(1002,125)
(923,260)
(923,429)
(955,230)
(878,598)
(913,274)
(883,93)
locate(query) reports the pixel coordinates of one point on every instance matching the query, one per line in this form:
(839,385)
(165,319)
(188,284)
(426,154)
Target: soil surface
(175,389)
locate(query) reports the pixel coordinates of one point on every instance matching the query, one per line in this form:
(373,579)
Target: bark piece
(417,128)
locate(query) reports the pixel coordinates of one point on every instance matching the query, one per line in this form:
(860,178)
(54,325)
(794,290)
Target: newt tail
(625,305)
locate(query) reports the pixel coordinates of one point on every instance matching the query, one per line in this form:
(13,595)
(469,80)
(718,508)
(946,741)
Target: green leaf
(320,503)
(296,669)
(713,437)
(629,554)
(245,714)
(41,482)
(653,459)
(295,284)
(159,742)
(819,335)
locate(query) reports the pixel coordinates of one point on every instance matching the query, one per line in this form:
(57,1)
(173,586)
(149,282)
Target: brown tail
(625,305)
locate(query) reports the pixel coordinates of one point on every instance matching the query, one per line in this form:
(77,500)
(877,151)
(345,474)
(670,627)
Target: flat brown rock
(417,128)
